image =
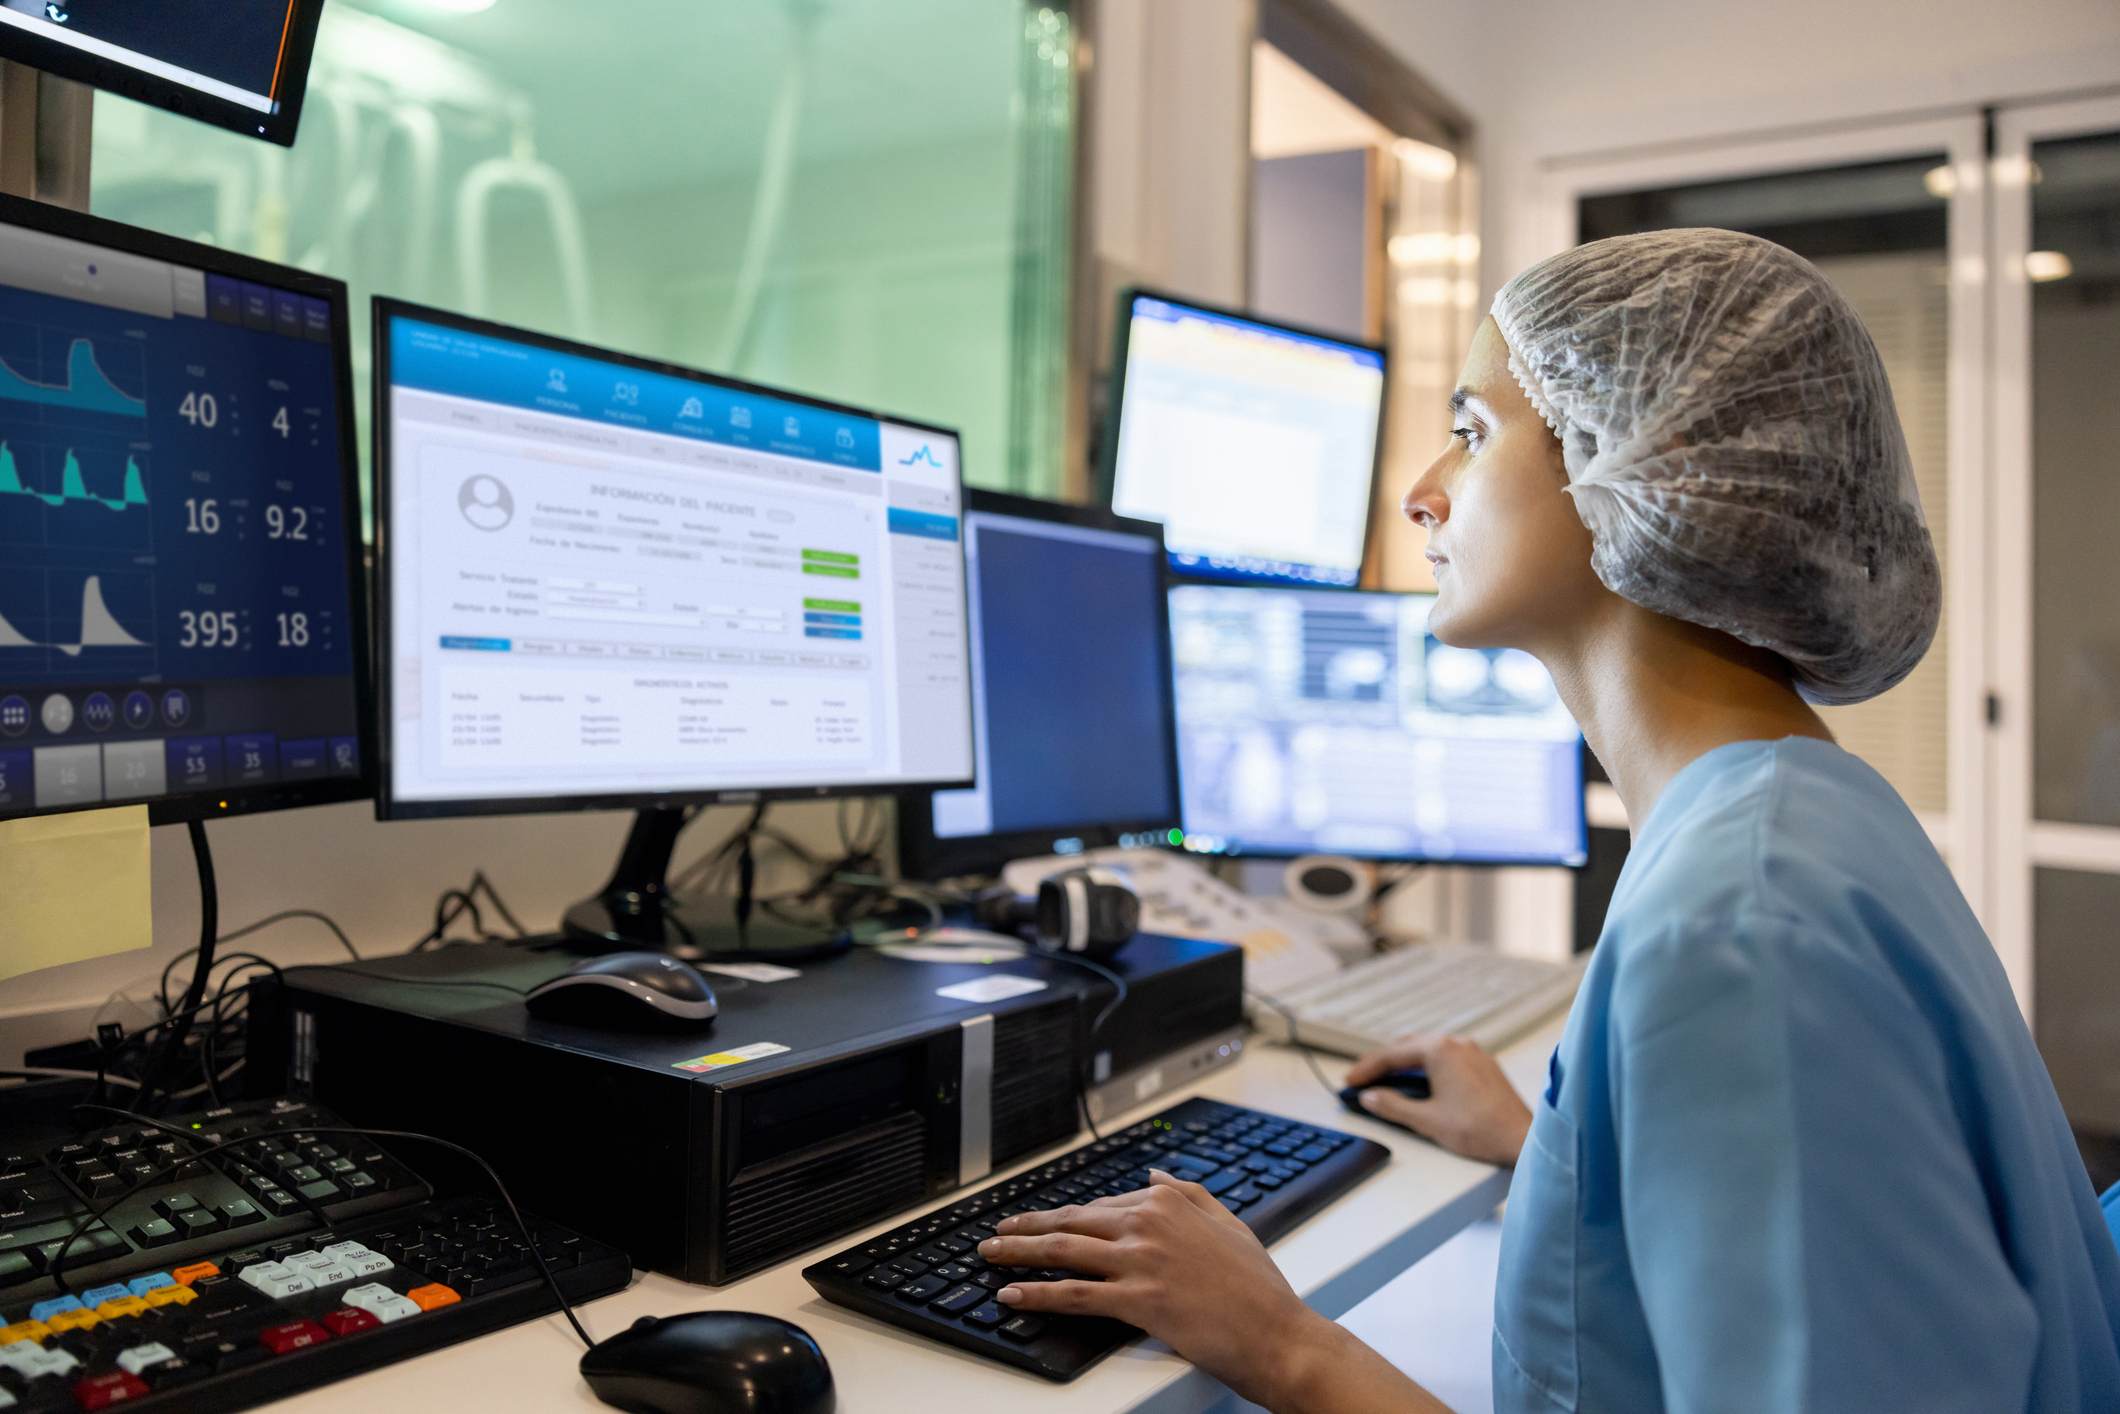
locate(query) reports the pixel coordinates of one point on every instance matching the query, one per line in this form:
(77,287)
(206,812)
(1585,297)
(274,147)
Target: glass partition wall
(861,199)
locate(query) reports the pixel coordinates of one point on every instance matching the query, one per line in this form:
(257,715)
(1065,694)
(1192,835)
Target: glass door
(2057,613)
(1895,217)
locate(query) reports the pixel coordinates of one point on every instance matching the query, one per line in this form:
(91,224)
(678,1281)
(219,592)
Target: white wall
(1562,80)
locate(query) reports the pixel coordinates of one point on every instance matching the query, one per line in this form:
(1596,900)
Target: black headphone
(1087,911)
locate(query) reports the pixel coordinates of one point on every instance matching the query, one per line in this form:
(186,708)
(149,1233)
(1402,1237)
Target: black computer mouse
(632,991)
(1411,1082)
(726,1362)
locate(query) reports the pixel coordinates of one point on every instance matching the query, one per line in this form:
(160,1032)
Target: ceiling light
(1437,162)
(2041,266)
(1940,182)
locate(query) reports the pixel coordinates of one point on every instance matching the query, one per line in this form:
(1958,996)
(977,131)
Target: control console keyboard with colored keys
(927,1276)
(251,1303)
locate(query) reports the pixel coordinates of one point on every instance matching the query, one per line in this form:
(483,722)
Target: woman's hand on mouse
(1173,1261)
(1472,1108)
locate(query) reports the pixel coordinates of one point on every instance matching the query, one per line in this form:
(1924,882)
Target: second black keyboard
(927,1276)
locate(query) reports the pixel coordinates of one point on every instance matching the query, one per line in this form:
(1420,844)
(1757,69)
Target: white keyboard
(1441,988)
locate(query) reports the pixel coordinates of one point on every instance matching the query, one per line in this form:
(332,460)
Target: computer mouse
(728,1362)
(627,990)
(1411,1082)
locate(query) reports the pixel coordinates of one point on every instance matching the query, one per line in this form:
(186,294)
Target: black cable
(246,930)
(1295,1040)
(209,929)
(481,883)
(1090,1045)
(210,1063)
(53,1269)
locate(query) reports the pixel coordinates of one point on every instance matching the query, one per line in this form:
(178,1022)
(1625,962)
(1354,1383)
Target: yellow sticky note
(73,887)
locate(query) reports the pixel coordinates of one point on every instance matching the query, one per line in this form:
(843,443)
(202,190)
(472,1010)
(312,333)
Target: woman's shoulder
(1772,834)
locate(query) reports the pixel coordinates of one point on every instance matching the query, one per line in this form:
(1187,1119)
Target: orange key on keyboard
(431,1295)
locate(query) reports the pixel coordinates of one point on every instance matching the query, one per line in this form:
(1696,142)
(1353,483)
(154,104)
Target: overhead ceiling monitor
(1327,722)
(180,560)
(606,582)
(240,64)
(1253,443)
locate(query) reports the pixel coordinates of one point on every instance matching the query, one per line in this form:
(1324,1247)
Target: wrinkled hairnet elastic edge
(1524,380)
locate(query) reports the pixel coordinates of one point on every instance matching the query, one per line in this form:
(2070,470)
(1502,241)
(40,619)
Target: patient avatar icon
(485,502)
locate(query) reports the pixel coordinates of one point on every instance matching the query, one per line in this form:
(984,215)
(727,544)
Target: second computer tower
(812,1108)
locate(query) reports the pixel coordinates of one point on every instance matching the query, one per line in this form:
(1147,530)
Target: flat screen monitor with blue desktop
(180,616)
(610,583)
(1333,722)
(1070,690)
(1253,443)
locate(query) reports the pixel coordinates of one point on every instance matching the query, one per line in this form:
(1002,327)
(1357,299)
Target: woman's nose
(1425,503)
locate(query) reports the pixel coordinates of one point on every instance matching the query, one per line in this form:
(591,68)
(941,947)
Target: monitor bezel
(1115,417)
(127,81)
(388,805)
(922,854)
(1276,852)
(131,240)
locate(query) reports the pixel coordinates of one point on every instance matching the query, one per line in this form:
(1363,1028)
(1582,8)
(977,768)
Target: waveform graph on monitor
(74,493)
(63,374)
(63,622)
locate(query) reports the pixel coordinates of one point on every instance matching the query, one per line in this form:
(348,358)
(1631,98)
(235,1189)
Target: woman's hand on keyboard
(1173,1261)
(1472,1108)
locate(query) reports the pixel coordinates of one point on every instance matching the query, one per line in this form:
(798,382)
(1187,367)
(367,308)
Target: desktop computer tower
(812,1107)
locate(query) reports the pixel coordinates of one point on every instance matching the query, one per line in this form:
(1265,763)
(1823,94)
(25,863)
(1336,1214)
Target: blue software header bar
(1165,312)
(436,359)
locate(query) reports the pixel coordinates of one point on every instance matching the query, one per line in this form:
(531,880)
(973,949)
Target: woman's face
(1511,556)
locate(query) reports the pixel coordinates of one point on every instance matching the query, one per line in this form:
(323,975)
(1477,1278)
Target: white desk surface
(1398,1215)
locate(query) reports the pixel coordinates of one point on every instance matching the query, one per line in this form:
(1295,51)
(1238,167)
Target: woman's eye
(1470,434)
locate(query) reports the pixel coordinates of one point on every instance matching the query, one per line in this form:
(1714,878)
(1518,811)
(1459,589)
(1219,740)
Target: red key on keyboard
(103,1391)
(295,1335)
(349,1320)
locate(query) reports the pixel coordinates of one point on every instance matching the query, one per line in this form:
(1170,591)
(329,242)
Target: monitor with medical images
(1333,722)
(238,64)
(1253,443)
(1070,689)
(606,582)
(180,560)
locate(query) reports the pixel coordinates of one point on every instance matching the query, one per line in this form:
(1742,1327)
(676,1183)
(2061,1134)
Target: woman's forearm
(1330,1371)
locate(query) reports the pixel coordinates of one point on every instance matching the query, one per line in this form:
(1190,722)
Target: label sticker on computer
(752,971)
(999,987)
(722,1059)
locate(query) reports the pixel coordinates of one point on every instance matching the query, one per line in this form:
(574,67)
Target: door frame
(1962,832)
(2024,844)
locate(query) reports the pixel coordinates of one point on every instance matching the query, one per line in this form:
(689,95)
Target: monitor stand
(638,910)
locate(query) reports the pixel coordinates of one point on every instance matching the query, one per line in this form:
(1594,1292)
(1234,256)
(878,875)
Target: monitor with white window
(606,582)
(1253,443)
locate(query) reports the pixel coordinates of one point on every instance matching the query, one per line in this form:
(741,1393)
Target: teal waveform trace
(925,455)
(73,485)
(87,388)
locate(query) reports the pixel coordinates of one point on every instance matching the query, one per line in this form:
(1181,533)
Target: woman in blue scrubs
(1796,1149)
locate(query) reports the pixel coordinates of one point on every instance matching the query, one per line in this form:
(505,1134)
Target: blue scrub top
(1797,1150)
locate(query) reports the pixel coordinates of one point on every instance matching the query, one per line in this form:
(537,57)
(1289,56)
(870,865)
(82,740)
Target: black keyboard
(927,1276)
(221,1287)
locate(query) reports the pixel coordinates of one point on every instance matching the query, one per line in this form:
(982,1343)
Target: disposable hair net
(1731,443)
